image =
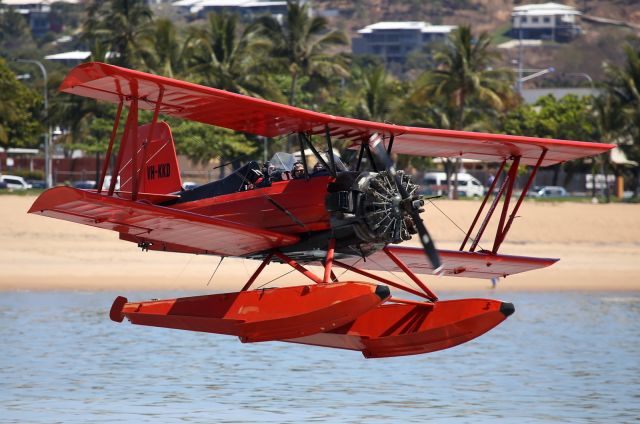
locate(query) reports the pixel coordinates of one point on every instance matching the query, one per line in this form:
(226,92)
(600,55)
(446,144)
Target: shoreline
(598,247)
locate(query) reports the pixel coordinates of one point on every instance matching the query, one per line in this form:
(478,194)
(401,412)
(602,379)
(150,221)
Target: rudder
(156,162)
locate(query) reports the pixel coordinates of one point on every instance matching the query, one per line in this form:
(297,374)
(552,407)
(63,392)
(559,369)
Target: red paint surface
(146,221)
(242,113)
(402,329)
(455,262)
(258,315)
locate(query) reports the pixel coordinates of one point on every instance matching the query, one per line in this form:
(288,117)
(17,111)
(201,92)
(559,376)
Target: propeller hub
(387,216)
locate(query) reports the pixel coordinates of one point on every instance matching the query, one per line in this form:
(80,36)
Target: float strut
(298,267)
(431,295)
(328,262)
(255,275)
(380,279)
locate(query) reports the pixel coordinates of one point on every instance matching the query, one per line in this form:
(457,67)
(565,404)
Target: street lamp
(47,137)
(536,75)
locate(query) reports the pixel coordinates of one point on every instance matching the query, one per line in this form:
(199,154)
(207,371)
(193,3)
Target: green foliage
(465,78)
(120,26)
(162,49)
(202,143)
(20,110)
(14,30)
(569,118)
(623,91)
(220,55)
(301,44)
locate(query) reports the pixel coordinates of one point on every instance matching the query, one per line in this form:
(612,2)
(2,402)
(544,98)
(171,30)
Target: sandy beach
(599,247)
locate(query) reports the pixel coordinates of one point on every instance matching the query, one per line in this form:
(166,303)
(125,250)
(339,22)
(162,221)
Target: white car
(15,182)
(551,191)
(468,186)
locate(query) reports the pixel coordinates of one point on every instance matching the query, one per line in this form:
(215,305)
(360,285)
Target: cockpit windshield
(282,161)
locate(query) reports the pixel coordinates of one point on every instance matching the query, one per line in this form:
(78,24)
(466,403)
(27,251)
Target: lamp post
(47,137)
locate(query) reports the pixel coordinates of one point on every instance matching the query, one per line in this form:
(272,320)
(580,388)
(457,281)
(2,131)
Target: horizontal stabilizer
(145,221)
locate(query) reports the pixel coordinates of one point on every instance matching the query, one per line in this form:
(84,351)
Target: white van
(15,182)
(107,183)
(435,183)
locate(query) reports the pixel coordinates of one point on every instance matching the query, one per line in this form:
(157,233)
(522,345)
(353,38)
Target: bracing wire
(453,222)
(277,278)
(215,270)
(410,284)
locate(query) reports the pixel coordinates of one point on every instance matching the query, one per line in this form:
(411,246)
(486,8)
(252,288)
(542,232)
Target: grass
(29,192)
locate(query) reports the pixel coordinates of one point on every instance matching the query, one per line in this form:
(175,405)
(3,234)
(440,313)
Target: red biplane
(330,214)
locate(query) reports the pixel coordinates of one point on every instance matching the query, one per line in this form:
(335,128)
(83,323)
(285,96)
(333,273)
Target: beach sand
(599,247)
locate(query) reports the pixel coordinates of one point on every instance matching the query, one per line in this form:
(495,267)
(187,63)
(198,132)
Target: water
(562,357)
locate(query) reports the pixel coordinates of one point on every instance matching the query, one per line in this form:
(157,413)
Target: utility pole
(47,137)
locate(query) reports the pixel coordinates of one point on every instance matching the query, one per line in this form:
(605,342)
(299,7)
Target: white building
(393,41)
(547,21)
(244,8)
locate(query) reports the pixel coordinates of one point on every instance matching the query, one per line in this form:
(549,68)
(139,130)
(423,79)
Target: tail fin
(159,174)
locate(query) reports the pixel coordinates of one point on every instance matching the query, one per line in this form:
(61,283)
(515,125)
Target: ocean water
(562,357)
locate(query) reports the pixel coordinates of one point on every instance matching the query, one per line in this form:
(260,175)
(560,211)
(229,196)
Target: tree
(465,79)
(120,25)
(302,44)
(465,73)
(623,84)
(204,143)
(14,31)
(221,56)
(162,49)
(20,112)
(378,95)
(568,118)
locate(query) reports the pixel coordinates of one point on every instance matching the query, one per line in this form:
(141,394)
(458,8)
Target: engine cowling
(370,205)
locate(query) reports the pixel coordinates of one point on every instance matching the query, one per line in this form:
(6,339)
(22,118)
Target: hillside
(598,43)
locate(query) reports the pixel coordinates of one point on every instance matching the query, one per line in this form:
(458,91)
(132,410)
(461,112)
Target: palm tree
(465,73)
(623,84)
(221,56)
(379,91)
(162,51)
(302,43)
(465,79)
(120,25)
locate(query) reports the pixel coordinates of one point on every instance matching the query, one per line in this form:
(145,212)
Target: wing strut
(500,238)
(114,132)
(506,188)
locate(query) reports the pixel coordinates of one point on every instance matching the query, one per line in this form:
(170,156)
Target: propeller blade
(426,240)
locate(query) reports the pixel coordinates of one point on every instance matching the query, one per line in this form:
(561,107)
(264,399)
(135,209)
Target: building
(547,21)
(393,41)
(36,12)
(245,8)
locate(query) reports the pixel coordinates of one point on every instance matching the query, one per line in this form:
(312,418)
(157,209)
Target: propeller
(426,240)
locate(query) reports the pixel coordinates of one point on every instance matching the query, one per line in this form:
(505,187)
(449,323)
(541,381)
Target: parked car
(551,191)
(86,184)
(15,182)
(189,185)
(468,186)
(37,183)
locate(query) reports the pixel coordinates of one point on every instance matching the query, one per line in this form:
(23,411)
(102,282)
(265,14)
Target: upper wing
(165,228)
(269,119)
(455,263)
